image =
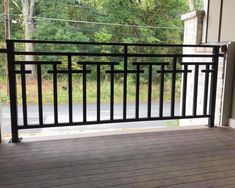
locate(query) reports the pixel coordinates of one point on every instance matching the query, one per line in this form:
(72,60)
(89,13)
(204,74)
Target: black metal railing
(134,60)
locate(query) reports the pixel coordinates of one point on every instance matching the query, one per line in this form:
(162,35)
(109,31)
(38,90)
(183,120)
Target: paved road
(91,111)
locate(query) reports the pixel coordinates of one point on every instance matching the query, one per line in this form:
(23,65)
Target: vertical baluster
(161,95)
(185,78)
(111,92)
(84,94)
(173,87)
(149,90)
(137,92)
(24,95)
(40,102)
(195,90)
(98,91)
(206,90)
(125,82)
(55,94)
(70,90)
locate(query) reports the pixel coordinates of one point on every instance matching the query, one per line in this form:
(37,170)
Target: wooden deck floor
(185,158)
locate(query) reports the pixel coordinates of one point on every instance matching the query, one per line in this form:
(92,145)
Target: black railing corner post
(212,107)
(12,89)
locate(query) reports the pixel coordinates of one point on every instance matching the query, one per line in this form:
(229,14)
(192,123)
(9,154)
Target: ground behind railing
(91,92)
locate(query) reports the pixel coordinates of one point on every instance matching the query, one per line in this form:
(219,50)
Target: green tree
(133,21)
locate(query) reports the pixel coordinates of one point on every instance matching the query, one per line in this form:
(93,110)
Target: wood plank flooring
(181,159)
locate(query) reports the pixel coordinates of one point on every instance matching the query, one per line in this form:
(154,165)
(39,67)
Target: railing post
(213,90)
(12,89)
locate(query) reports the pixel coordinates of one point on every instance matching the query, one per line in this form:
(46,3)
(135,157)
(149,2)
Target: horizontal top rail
(112,54)
(113,43)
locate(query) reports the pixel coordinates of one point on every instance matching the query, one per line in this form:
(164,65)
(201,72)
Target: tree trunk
(191,4)
(7,30)
(28,13)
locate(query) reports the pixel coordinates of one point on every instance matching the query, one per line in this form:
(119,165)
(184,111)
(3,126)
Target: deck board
(181,158)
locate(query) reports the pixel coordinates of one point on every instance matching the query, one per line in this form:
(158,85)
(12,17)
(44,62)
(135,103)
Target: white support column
(193,29)
(228,105)
(193,24)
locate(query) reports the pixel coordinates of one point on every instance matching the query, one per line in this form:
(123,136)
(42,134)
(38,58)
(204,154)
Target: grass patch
(172,123)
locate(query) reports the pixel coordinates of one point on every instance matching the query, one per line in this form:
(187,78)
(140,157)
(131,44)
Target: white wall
(227,23)
(215,31)
(220,27)
(213,21)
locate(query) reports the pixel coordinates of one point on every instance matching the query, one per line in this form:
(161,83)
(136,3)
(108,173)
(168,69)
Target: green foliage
(102,37)
(198,4)
(129,21)
(145,21)
(118,13)
(148,12)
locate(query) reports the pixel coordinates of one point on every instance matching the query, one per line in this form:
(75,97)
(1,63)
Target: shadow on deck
(181,158)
